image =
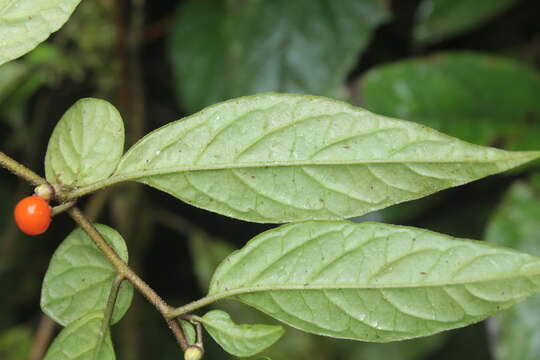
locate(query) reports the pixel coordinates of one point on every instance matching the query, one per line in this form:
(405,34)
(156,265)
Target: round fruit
(33,215)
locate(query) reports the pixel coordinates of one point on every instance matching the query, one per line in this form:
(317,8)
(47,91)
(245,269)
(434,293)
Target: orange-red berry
(33,215)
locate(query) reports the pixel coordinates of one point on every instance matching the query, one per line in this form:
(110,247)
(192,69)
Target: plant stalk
(20,170)
(123,269)
(107,316)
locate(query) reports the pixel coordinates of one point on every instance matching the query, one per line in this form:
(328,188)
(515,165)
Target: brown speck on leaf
(347,147)
(423,273)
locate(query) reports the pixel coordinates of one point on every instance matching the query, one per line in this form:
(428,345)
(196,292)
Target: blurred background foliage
(467,68)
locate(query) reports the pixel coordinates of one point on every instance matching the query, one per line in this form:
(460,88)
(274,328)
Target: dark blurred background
(468,68)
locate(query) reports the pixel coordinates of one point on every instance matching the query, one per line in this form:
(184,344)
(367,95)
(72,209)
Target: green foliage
(26,23)
(189,331)
(413,349)
(207,252)
(10,76)
(374,282)
(224,49)
(79,278)
(86,144)
(240,340)
(15,343)
(83,339)
(278,158)
(440,19)
(517,224)
(479,98)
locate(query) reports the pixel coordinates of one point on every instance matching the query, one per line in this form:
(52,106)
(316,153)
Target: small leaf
(441,91)
(189,331)
(440,19)
(221,49)
(26,23)
(517,224)
(79,278)
(277,158)
(374,282)
(86,144)
(82,340)
(240,340)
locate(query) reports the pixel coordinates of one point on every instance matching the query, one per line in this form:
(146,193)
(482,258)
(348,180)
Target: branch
(43,337)
(125,271)
(20,170)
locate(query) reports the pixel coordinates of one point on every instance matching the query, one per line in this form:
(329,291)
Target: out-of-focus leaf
(86,144)
(404,212)
(10,76)
(223,49)
(516,224)
(15,343)
(44,54)
(479,98)
(207,253)
(414,349)
(374,282)
(79,278)
(467,343)
(440,19)
(535,179)
(26,23)
(82,340)
(240,340)
(278,158)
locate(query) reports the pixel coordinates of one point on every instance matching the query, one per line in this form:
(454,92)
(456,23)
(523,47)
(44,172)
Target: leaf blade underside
(374,282)
(278,158)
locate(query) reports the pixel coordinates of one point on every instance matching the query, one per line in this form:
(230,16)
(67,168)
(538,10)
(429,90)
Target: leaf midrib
(242,165)
(136,175)
(292,287)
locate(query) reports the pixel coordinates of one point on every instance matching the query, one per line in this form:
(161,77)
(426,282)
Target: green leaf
(374,282)
(240,340)
(440,19)
(414,349)
(79,278)
(82,340)
(462,94)
(517,224)
(277,158)
(26,23)
(189,331)
(534,179)
(223,49)
(15,343)
(86,144)
(207,253)
(10,77)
